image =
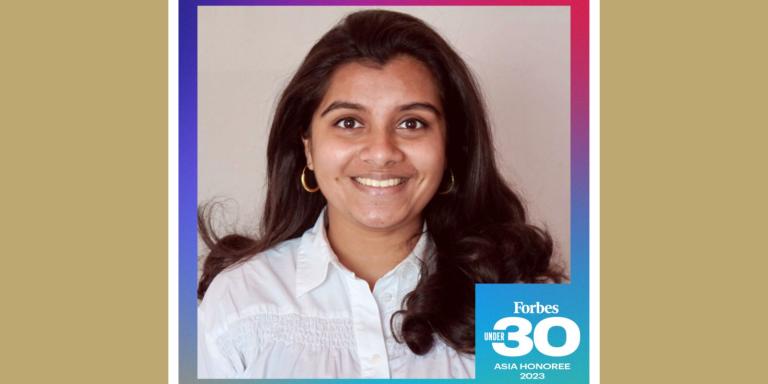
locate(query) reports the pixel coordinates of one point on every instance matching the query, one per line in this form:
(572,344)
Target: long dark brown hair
(479,229)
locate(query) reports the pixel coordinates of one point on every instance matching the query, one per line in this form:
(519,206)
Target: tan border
(83,144)
(684,191)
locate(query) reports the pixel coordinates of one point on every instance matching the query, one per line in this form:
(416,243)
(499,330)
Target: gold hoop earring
(304,182)
(451,186)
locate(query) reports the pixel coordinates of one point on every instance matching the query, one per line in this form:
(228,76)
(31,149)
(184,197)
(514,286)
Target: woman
(384,208)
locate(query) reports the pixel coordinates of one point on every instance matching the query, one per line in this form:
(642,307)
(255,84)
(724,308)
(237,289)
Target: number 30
(540,336)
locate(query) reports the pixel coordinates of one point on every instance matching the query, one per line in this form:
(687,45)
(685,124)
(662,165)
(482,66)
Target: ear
(308,152)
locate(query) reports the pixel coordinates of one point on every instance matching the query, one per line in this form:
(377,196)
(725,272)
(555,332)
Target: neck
(370,253)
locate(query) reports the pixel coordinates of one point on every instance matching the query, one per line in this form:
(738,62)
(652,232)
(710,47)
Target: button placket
(369,335)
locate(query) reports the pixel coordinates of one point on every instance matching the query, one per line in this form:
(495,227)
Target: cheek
(331,157)
(429,159)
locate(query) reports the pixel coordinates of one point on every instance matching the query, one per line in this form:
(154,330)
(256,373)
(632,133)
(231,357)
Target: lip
(380,185)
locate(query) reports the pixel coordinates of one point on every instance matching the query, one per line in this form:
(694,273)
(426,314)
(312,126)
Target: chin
(380,219)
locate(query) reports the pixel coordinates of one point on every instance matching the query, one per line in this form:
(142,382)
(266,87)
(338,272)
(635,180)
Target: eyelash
(340,123)
(423,124)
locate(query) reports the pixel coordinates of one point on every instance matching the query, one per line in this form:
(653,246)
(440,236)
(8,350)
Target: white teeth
(386,183)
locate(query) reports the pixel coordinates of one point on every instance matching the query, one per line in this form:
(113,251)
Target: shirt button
(387,298)
(376,359)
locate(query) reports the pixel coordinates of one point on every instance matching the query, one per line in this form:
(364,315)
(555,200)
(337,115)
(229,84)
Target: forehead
(403,79)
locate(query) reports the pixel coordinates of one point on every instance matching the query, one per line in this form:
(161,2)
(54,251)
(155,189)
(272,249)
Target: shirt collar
(315,257)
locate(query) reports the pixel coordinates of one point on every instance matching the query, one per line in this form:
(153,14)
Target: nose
(381,148)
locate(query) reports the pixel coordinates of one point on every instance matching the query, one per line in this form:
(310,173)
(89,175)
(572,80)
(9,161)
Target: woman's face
(377,143)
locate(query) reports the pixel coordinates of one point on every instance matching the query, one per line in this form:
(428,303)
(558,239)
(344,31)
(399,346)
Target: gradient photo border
(183,258)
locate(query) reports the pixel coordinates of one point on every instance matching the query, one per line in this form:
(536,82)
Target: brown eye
(348,123)
(412,124)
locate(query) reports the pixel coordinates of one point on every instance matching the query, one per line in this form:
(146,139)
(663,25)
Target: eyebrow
(342,105)
(359,107)
(425,106)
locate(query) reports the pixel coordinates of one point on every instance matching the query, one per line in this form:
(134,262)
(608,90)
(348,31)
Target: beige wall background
(520,55)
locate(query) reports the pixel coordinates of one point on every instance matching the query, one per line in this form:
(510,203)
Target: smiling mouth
(383,183)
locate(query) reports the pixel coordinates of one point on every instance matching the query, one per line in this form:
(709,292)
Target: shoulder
(276,263)
(259,285)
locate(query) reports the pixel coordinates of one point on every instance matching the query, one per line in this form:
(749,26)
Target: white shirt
(294,311)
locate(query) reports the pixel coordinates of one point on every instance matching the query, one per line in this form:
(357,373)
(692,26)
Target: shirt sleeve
(214,361)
